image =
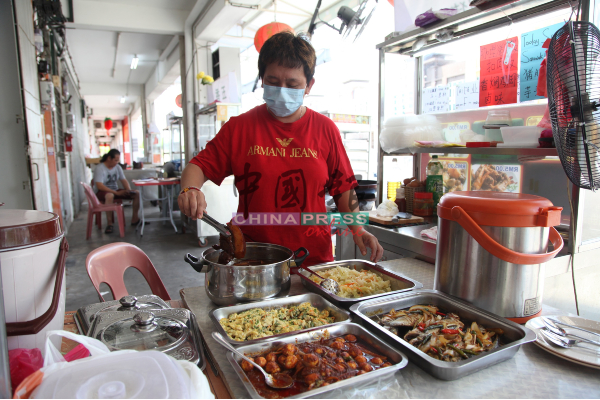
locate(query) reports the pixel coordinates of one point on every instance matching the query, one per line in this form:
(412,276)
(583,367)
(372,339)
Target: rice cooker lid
(25,228)
(500,209)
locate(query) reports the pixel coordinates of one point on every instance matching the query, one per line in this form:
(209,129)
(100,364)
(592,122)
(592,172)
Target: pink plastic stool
(96,208)
(107,264)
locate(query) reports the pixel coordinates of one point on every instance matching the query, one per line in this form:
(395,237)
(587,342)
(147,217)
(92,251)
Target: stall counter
(532,373)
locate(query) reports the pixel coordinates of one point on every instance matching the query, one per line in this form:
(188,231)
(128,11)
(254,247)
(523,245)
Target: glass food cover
(84,317)
(172,331)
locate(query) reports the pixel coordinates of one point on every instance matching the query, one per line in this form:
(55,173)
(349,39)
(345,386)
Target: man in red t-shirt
(284,157)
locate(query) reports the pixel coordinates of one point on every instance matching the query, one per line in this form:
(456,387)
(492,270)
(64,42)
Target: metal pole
(418,108)
(5,384)
(380,124)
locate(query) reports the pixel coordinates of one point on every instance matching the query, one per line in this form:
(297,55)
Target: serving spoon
(328,284)
(276,381)
(554,328)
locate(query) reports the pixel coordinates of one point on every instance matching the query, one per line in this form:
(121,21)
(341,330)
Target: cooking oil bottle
(434,183)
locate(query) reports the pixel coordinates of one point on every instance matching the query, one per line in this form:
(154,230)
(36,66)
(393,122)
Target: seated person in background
(106,175)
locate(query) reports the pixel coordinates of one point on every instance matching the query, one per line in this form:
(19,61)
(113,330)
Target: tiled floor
(164,247)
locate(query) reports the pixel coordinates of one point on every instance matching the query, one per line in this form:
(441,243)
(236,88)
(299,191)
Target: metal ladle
(276,381)
(328,284)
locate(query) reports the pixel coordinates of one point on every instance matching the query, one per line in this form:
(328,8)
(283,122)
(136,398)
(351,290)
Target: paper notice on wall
(499,72)
(532,54)
(225,89)
(436,99)
(466,95)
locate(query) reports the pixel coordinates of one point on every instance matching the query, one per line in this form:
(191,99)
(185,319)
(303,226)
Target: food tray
(515,334)
(398,358)
(399,283)
(314,299)
(84,317)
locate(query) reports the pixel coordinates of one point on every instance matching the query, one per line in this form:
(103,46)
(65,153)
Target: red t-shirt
(281,168)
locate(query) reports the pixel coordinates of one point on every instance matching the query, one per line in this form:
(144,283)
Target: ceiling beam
(217,19)
(110,89)
(116,53)
(170,47)
(127,17)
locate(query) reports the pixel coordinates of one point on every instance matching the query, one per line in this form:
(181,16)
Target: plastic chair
(96,208)
(99,214)
(107,264)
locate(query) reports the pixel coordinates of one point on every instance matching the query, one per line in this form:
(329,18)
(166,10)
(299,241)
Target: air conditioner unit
(98,124)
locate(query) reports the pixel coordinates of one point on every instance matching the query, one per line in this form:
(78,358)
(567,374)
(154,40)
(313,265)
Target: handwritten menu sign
(532,55)
(499,72)
(466,95)
(436,99)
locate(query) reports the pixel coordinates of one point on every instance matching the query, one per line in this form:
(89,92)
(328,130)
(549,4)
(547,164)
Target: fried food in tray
(488,178)
(355,284)
(442,336)
(258,323)
(314,364)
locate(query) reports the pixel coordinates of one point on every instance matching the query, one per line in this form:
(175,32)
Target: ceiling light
(135,61)
(122,99)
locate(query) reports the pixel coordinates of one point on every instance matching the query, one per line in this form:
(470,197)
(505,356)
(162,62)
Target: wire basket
(409,193)
(574,101)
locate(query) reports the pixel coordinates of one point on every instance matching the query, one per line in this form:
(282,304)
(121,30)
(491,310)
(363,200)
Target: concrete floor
(164,247)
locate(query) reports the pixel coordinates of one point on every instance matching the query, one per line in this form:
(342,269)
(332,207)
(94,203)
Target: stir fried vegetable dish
(258,323)
(441,335)
(355,284)
(313,364)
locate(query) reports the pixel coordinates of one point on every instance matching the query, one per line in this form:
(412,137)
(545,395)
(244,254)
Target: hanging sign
(499,72)
(436,99)
(532,54)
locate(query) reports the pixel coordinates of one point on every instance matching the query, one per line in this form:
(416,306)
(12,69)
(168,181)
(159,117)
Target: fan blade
(362,28)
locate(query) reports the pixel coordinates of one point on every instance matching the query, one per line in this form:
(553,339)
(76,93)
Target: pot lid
(23,228)
(144,331)
(501,209)
(86,315)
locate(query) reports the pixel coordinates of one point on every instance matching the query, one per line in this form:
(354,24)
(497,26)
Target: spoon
(276,381)
(328,284)
(561,341)
(556,321)
(560,331)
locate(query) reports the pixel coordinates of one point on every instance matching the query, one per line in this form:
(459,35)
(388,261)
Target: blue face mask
(283,102)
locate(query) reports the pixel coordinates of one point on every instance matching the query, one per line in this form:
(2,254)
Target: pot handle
(198,265)
(36,325)
(300,260)
(496,249)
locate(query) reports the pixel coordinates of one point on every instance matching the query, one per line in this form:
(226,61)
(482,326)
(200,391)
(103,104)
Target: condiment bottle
(434,183)
(423,204)
(400,200)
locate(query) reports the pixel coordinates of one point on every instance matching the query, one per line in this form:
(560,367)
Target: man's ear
(309,87)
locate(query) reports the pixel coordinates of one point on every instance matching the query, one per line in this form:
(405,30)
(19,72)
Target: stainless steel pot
(492,248)
(227,285)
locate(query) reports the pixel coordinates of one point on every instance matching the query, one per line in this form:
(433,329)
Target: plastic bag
(387,208)
(401,132)
(23,362)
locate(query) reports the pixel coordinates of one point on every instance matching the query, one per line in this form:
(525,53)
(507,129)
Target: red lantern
(108,124)
(268,30)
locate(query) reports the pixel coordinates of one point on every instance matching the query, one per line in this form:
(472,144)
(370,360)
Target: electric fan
(573,82)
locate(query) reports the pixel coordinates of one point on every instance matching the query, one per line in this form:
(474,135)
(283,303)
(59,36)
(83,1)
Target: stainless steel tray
(399,283)
(84,317)
(514,334)
(398,358)
(314,299)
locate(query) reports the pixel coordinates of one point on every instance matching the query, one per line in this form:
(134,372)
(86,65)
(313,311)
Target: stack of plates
(588,355)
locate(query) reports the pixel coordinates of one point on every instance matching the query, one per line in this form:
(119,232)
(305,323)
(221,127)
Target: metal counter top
(532,373)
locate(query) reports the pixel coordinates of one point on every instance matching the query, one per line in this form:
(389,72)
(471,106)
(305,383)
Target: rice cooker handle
(496,249)
(36,325)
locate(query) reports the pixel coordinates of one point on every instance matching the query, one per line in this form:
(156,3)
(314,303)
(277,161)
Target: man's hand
(121,192)
(364,240)
(192,203)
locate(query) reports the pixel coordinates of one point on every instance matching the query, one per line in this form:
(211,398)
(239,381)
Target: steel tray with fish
(395,357)
(514,335)
(399,283)
(314,299)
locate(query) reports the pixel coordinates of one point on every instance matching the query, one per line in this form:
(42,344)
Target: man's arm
(192,202)
(104,188)
(125,184)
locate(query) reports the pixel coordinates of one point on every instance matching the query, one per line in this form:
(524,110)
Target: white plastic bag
(401,132)
(387,208)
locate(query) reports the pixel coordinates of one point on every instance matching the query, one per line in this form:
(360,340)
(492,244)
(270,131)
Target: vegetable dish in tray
(258,322)
(313,364)
(442,336)
(355,284)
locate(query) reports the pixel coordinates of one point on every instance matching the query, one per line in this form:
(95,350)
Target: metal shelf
(500,151)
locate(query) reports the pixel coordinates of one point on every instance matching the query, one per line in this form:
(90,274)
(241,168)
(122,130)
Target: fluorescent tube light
(135,61)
